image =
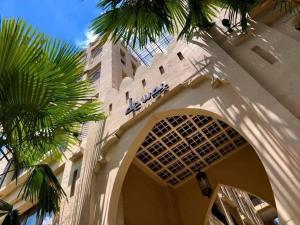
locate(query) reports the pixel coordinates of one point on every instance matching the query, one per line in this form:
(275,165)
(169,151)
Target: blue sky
(64,19)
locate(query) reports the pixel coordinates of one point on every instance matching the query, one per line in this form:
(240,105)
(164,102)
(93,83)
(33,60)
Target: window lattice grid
(167,158)
(181,148)
(156,148)
(219,140)
(148,140)
(198,166)
(204,149)
(224,125)
(164,174)
(176,167)
(177,147)
(176,120)
(154,166)
(161,128)
(190,158)
(239,141)
(185,174)
(232,132)
(201,120)
(211,129)
(227,148)
(186,129)
(196,139)
(173,181)
(171,139)
(212,158)
(144,157)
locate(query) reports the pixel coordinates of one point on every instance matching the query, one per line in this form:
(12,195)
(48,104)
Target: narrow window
(95,52)
(264,54)
(144,83)
(74,179)
(95,76)
(122,53)
(127,96)
(123,61)
(110,107)
(297,26)
(133,68)
(180,56)
(162,70)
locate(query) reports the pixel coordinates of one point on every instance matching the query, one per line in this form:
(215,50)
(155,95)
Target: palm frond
(287,6)
(137,21)
(12,218)
(41,102)
(5,207)
(237,11)
(198,17)
(43,187)
(41,92)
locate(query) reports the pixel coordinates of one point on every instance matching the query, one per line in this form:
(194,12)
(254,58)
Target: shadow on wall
(267,126)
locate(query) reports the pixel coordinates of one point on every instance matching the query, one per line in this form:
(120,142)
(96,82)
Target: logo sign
(135,106)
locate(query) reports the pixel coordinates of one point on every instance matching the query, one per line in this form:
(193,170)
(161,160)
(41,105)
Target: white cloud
(89,37)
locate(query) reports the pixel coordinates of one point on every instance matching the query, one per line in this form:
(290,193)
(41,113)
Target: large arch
(137,141)
(270,131)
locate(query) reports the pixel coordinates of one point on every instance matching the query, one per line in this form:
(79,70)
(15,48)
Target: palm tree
(43,103)
(142,21)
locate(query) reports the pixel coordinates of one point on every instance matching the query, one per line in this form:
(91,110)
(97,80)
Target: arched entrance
(160,187)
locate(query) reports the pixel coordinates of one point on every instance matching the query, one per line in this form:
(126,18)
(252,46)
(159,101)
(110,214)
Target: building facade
(226,103)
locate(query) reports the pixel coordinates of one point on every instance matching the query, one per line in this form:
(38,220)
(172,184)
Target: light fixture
(202,178)
(226,23)
(204,184)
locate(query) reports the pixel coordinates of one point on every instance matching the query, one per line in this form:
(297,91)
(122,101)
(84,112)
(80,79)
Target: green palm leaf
(12,216)
(41,92)
(5,207)
(43,187)
(138,21)
(198,17)
(142,21)
(42,105)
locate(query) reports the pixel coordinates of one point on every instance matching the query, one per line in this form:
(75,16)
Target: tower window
(127,96)
(180,56)
(162,70)
(264,54)
(297,26)
(110,107)
(144,83)
(74,180)
(122,53)
(133,68)
(95,76)
(95,52)
(123,61)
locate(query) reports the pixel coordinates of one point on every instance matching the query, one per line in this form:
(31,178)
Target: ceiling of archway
(177,146)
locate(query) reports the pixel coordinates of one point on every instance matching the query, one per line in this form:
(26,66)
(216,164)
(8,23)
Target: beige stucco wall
(242,170)
(264,120)
(258,100)
(143,200)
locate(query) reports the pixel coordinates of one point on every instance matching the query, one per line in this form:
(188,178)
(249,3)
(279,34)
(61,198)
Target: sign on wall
(135,106)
